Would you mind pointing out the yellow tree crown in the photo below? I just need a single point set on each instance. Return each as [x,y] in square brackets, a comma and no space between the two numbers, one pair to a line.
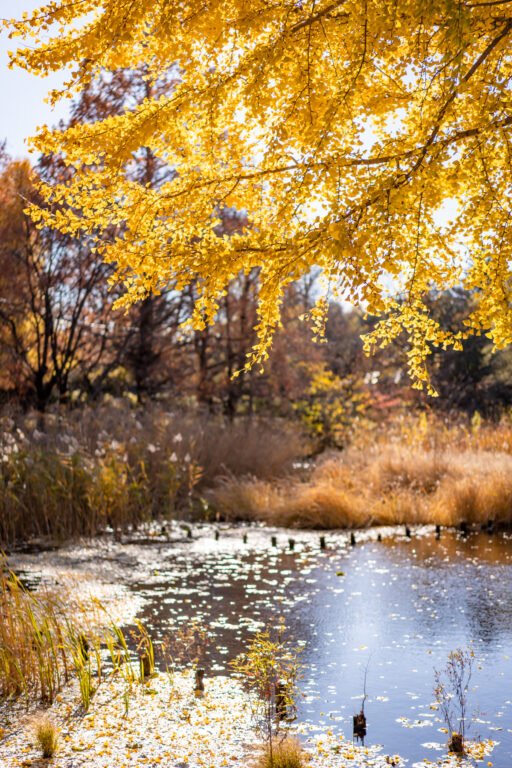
[343,128]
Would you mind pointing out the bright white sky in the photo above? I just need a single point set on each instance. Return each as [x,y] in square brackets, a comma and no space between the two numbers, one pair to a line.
[22,95]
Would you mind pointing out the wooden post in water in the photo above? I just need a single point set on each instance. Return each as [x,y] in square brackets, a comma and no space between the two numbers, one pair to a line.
[291,544]
[359,726]
[273,541]
[217,534]
[438,531]
[352,539]
[199,681]
[464,528]
[322,542]
[407,531]
[245,538]
[145,666]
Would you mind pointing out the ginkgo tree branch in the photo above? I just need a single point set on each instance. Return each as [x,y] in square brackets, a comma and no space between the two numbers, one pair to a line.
[326,121]
[453,95]
[317,16]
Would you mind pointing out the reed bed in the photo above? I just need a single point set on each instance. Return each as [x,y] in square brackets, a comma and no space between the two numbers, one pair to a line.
[46,641]
[84,471]
[37,641]
[114,467]
[414,472]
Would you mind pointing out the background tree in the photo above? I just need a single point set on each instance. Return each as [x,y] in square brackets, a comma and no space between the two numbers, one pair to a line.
[471,379]
[56,321]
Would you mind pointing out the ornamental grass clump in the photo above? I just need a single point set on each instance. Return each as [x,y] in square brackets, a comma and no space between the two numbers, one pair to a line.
[46,735]
[287,753]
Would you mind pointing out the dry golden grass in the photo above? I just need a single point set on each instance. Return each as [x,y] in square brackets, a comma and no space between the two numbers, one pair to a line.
[325,505]
[287,753]
[46,735]
[244,499]
[481,492]
[423,474]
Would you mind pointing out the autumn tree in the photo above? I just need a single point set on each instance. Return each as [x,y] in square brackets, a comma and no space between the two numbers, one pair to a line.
[158,358]
[57,329]
[368,138]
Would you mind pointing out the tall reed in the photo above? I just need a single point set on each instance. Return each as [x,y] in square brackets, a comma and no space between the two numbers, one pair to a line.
[34,642]
[43,645]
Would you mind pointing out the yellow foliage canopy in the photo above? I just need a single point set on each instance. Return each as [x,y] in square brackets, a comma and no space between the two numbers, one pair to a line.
[341,126]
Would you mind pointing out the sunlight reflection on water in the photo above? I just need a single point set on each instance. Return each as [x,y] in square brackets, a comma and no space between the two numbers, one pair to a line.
[400,606]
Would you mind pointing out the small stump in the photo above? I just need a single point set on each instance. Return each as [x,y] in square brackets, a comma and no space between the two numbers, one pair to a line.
[456,744]
[281,708]
[359,727]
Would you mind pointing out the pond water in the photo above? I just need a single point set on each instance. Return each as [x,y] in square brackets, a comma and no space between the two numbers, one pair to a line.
[398,609]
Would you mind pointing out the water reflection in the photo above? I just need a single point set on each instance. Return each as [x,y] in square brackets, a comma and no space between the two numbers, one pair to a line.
[399,607]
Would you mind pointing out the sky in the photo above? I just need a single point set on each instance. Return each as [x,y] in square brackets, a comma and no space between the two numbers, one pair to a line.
[22,94]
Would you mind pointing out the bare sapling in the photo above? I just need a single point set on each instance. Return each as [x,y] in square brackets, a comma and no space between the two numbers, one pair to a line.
[270,670]
[451,691]
[359,720]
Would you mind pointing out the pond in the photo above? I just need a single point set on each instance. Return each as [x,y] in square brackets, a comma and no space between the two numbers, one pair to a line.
[392,609]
